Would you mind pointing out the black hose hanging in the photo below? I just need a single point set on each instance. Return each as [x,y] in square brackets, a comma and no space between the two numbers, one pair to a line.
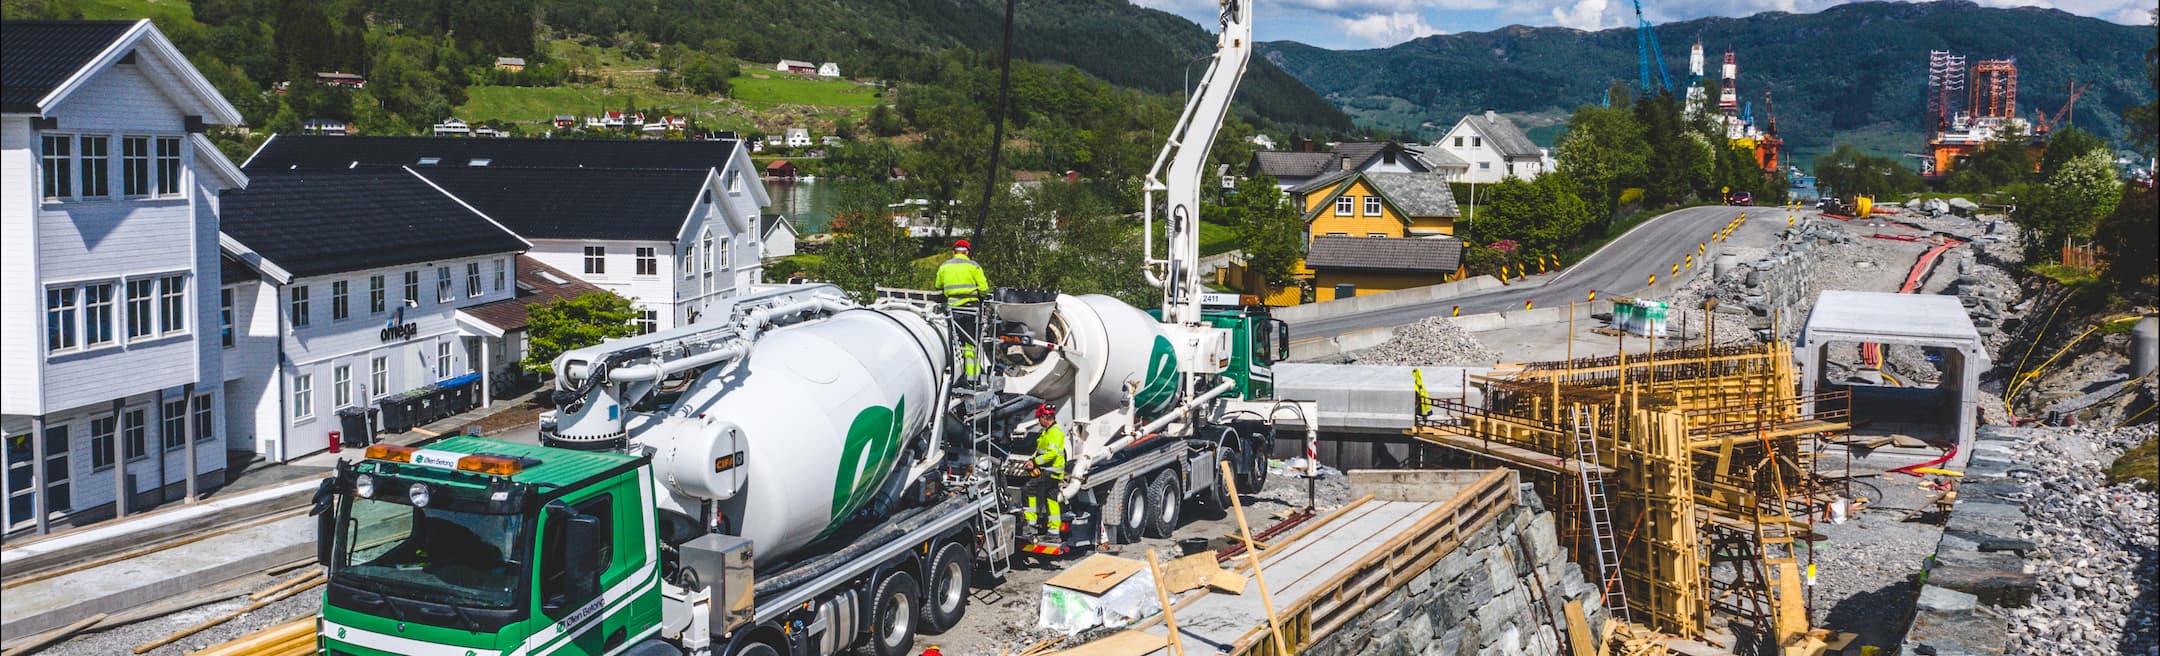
[997,121]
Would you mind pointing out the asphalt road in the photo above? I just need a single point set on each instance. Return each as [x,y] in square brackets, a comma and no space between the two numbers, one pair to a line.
[1622,266]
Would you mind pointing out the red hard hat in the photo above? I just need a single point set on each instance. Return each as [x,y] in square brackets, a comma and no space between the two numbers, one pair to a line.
[1045,410]
[960,245]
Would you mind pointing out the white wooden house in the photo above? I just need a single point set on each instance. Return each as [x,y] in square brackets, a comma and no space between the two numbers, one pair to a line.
[1493,149]
[109,269]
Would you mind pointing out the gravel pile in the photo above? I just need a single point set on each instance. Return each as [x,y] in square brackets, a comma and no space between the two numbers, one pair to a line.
[2097,557]
[1431,341]
[1910,365]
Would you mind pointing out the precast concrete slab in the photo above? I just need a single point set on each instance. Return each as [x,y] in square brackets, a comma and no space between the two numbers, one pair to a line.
[1910,319]
[1370,398]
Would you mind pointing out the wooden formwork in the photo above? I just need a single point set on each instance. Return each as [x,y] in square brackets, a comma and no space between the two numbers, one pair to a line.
[1705,458]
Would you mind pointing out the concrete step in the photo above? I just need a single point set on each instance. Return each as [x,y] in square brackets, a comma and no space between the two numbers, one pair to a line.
[51,603]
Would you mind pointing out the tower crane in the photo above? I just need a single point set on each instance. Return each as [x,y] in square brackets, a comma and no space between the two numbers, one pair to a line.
[1647,56]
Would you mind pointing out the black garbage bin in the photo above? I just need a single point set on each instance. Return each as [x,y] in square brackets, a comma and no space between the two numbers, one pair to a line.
[460,393]
[393,415]
[356,426]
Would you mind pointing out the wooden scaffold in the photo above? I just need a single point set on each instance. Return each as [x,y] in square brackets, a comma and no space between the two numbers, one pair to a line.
[1691,468]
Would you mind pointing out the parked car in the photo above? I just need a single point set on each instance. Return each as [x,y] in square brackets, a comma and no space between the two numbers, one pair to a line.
[1739,198]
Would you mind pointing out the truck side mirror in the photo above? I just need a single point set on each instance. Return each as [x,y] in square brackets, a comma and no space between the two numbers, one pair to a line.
[581,557]
[1282,340]
[325,512]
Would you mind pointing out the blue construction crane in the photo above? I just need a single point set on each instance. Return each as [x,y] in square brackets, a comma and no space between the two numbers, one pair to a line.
[1648,55]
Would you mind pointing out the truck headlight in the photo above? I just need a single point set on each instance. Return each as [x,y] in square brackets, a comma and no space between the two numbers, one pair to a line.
[419,495]
[364,485]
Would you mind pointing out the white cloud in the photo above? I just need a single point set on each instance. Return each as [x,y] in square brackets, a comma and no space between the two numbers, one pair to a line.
[1585,15]
[1388,29]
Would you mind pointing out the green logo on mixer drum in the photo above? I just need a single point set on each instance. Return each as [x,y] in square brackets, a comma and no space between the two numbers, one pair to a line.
[1161,385]
[873,443]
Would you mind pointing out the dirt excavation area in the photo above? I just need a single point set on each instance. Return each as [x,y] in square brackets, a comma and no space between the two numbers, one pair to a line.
[1004,619]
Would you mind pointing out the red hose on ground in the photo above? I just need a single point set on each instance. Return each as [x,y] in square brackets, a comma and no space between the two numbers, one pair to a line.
[1871,353]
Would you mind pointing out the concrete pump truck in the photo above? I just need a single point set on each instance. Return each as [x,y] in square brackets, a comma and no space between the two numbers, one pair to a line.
[799,474]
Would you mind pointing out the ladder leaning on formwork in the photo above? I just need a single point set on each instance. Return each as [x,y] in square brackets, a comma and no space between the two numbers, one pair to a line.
[1601,529]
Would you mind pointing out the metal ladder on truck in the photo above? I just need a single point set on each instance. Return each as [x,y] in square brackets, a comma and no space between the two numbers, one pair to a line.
[1601,530]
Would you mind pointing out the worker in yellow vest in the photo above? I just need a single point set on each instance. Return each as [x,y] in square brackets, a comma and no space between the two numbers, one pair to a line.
[1046,470]
[962,282]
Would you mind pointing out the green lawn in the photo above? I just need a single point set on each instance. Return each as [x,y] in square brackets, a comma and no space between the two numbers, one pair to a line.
[1216,239]
[168,14]
[798,91]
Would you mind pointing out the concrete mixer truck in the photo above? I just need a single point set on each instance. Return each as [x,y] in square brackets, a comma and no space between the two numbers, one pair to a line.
[799,474]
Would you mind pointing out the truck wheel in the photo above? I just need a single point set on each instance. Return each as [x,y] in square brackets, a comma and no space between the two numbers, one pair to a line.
[1137,502]
[948,598]
[1255,472]
[1164,503]
[756,649]
[892,615]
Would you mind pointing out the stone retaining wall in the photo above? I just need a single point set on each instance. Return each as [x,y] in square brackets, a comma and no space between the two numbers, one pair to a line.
[1481,599]
[1980,561]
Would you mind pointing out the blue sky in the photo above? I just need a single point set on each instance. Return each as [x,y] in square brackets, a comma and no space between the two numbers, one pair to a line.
[1354,24]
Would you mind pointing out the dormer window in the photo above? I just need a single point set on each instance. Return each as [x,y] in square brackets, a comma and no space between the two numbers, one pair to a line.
[430,161]
[480,162]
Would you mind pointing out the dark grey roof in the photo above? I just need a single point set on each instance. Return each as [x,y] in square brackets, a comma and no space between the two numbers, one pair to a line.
[37,56]
[312,224]
[1328,179]
[313,152]
[537,284]
[1366,154]
[570,203]
[1505,137]
[1281,165]
[1416,255]
[1420,194]
[768,222]
[232,271]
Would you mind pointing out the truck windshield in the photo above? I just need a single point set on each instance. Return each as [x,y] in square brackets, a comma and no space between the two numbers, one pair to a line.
[431,554]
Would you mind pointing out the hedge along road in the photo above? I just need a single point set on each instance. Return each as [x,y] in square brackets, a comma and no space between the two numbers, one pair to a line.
[1622,266]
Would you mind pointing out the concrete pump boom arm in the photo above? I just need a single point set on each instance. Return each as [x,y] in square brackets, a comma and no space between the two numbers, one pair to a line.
[1186,154]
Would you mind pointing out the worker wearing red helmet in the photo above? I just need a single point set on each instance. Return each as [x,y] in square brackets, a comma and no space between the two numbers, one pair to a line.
[1046,470]
[962,282]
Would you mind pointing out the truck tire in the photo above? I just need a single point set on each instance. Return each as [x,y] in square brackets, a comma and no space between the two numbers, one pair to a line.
[756,649]
[1133,521]
[1253,475]
[947,600]
[892,615]
[1165,501]
[653,647]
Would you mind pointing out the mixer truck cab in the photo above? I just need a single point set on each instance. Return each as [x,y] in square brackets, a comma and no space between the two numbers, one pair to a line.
[476,546]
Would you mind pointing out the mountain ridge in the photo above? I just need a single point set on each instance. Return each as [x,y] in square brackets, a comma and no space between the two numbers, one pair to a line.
[1852,72]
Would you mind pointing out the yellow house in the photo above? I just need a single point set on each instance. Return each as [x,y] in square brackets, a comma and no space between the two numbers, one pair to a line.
[1371,231]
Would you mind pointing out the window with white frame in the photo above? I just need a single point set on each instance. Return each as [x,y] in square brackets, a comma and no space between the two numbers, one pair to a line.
[135,433]
[172,304]
[1477,142]
[726,253]
[96,166]
[101,441]
[225,317]
[501,271]
[141,307]
[135,178]
[378,376]
[596,259]
[1344,206]
[689,259]
[1372,206]
[1458,142]
[472,279]
[412,287]
[298,302]
[172,424]
[648,261]
[442,284]
[168,166]
[708,250]
[376,296]
[303,396]
[205,420]
[442,359]
[61,307]
[341,385]
[56,155]
[648,322]
[98,310]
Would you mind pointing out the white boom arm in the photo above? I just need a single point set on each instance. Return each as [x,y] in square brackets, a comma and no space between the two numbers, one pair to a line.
[1186,154]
